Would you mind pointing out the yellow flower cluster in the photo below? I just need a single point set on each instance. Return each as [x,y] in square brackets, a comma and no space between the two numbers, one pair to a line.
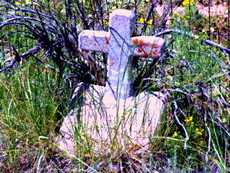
[199,131]
[142,20]
[188,2]
[188,119]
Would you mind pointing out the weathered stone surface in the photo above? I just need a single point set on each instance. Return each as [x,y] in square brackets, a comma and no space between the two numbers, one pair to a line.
[110,115]
[94,40]
[148,46]
[107,121]
[119,45]
[121,24]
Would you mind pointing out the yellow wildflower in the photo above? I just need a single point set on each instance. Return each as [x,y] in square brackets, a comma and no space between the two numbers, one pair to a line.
[199,131]
[188,119]
[150,22]
[141,20]
[188,2]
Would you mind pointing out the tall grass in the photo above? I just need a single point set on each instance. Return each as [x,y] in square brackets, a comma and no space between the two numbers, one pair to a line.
[34,97]
[196,134]
[29,105]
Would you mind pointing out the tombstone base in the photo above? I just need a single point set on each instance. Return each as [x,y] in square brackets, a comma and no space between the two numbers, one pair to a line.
[107,121]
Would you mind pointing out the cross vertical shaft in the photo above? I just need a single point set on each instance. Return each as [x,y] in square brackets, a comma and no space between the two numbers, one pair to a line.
[121,25]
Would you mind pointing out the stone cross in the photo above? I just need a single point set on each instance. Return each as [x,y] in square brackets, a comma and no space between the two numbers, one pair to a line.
[106,119]
[120,47]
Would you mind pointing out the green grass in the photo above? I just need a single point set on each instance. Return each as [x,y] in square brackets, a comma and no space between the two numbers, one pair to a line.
[192,138]
[206,144]
[29,104]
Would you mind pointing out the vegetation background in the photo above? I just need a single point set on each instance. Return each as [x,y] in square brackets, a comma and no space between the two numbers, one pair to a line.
[41,66]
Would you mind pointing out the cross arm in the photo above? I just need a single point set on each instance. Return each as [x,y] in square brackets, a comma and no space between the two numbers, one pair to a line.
[99,41]
[94,40]
[147,46]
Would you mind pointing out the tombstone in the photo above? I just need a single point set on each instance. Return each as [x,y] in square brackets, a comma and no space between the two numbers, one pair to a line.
[111,114]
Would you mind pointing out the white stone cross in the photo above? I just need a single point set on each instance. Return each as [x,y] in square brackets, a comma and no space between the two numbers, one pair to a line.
[121,119]
[120,47]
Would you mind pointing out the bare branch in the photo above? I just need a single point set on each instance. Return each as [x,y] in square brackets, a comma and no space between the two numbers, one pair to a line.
[14,62]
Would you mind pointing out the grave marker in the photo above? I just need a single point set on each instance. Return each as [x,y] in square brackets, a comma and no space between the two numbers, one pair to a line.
[120,46]
[109,115]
